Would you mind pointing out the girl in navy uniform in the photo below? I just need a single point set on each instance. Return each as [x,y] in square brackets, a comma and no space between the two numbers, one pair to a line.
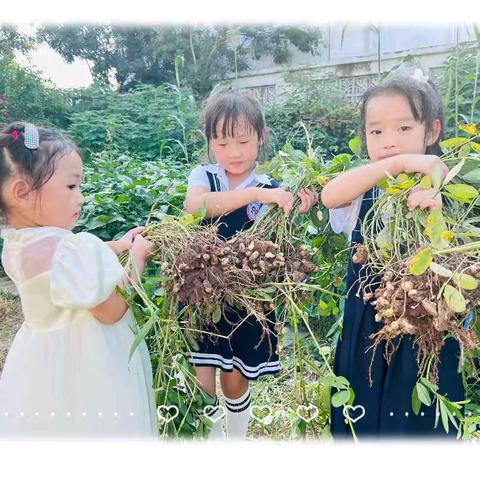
[234,195]
[401,125]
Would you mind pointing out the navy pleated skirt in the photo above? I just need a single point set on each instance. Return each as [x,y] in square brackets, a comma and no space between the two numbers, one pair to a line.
[244,349]
[387,402]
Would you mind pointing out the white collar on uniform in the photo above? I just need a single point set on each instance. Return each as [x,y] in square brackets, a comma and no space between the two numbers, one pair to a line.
[252,179]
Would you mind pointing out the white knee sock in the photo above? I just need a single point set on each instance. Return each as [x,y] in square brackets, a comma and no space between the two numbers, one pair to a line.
[216,432]
[238,415]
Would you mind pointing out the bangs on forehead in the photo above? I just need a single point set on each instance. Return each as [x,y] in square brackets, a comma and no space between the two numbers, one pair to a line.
[415,103]
[423,98]
[231,121]
[233,110]
[412,95]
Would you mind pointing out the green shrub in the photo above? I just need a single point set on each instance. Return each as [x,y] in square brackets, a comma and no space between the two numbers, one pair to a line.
[330,117]
[148,122]
[120,191]
[25,95]
[459,83]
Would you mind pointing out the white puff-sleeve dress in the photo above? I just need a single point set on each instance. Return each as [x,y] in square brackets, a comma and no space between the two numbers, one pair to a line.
[67,373]
[344,219]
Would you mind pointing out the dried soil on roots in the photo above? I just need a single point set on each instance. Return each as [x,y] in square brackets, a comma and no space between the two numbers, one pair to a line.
[207,275]
[413,305]
[209,270]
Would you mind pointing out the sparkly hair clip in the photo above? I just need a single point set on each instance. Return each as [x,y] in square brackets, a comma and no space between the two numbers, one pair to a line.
[31,136]
[14,135]
[418,75]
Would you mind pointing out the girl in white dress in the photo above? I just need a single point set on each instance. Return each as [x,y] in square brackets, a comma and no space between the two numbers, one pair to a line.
[68,370]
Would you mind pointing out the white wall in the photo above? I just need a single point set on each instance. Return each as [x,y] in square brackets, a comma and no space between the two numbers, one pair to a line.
[355,59]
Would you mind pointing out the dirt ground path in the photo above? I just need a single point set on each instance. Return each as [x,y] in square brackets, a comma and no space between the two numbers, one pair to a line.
[10,316]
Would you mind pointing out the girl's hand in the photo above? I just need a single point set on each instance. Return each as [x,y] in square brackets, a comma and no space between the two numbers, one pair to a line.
[309,198]
[279,196]
[142,249]
[126,242]
[424,198]
[426,164]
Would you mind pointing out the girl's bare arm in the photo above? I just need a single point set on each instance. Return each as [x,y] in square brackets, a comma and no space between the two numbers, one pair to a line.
[219,203]
[114,307]
[350,185]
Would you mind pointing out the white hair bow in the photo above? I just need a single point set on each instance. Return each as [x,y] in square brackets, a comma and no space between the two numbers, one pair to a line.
[418,75]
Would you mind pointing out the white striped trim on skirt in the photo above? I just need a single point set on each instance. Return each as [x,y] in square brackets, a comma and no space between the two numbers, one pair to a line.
[227,364]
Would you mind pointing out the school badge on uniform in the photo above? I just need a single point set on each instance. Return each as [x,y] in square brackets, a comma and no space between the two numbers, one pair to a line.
[255,210]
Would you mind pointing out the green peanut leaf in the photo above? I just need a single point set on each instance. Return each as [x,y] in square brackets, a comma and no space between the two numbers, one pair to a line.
[461,192]
[384,239]
[437,176]
[340,398]
[453,172]
[421,261]
[444,414]
[467,282]
[423,394]
[454,298]
[425,182]
[403,181]
[453,143]
[440,270]
[355,145]
[435,227]
[217,314]
[473,176]
[416,404]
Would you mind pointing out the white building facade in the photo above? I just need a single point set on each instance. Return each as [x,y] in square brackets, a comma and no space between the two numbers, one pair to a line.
[353,54]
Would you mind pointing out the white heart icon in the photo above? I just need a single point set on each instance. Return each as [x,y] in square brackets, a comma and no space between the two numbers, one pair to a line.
[163,412]
[210,409]
[352,408]
[307,413]
[265,419]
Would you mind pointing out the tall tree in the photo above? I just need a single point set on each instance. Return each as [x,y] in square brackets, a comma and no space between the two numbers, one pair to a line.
[12,40]
[24,94]
[147,54]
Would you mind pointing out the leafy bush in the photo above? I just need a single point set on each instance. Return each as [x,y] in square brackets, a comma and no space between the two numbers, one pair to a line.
[120,191]
[25,95]
[459,83]
[328,115]
[148,122]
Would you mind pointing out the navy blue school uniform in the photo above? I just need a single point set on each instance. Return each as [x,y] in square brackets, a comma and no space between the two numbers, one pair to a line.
[387,402]
[244,350]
